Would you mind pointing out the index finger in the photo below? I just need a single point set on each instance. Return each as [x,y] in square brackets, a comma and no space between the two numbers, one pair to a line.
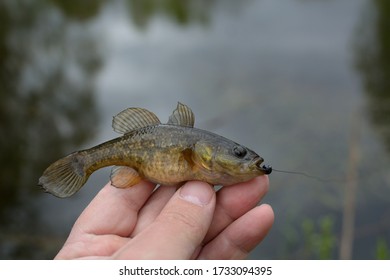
[234,201]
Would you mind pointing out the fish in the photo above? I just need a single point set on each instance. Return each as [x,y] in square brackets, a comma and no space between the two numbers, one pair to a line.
[165,154]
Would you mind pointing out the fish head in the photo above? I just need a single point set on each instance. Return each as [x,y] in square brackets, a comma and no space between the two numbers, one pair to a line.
[230,162]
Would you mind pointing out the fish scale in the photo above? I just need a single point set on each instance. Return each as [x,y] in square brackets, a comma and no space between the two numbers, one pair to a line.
[167,154]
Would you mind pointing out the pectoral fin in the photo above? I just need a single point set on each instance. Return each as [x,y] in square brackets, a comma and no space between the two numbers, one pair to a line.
[133,118]
[182,115]
[124,177]
[203,158]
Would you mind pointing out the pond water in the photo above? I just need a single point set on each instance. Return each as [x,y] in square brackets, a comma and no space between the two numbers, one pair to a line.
[305,83]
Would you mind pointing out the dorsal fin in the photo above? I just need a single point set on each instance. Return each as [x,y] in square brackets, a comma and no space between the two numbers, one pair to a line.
[133,118]
[182,115]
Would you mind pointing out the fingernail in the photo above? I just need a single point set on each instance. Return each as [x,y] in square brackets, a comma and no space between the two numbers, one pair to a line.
[197,193]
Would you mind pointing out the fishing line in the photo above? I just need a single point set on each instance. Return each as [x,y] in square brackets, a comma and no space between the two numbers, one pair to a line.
[307,175]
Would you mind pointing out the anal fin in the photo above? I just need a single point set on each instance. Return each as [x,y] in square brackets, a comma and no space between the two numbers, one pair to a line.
[124,177]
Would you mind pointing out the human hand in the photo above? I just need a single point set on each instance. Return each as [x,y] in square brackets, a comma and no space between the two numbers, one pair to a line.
[194,222]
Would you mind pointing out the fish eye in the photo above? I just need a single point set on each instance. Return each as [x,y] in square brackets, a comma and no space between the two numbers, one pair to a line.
[239,151]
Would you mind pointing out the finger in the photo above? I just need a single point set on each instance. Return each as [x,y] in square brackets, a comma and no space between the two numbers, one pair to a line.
[238,239]
[113,210]
[180,228]
[234,201]
[91,246]
[153,207]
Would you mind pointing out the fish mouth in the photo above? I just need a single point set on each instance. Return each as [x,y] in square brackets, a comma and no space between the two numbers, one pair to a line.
[266,169]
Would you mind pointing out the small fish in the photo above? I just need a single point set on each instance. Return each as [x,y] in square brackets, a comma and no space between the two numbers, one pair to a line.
[167,154]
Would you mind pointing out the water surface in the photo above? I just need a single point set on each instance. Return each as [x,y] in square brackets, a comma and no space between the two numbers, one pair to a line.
[300,82]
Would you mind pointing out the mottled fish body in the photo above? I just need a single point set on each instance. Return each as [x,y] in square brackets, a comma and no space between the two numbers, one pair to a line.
[167,154]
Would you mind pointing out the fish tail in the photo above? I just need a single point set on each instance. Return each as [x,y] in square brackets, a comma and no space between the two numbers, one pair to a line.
[65,176]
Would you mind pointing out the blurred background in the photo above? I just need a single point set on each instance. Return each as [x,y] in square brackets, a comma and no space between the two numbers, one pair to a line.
[305,83]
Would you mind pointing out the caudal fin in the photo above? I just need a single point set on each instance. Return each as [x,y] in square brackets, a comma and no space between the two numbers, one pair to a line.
[65,176]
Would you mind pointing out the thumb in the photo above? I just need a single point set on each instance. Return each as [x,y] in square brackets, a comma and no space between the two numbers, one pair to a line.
[180,227]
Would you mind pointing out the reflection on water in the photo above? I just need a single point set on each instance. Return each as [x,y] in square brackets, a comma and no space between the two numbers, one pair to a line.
[47,107]
[79,11]
[283,72]
[183,12]
[373,62]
